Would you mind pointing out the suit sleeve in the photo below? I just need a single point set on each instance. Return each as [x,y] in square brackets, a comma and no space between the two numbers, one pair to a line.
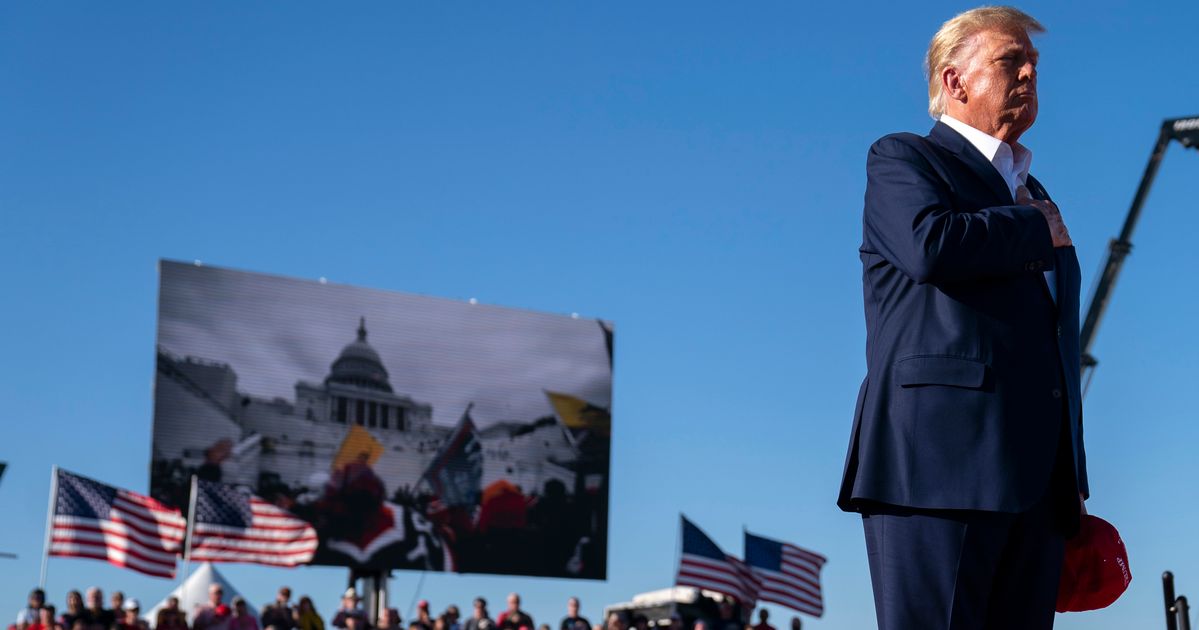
[909,219]
[1084,483]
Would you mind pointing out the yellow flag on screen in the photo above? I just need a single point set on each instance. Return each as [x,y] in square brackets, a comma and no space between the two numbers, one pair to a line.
[358,443]
[577,413]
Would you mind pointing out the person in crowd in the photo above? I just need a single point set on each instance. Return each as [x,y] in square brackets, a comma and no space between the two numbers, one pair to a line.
[617,620]
[350,608]
[422,615]
[796,623]
[279,613]
[75,610]
[451,618]
[215,614]
[640,622]
[170,616]
[80,623]
[306,616]
[700,624]
[45,619]
[240,617]
[572,618]
[514,618]
[131,614]
[390,620]
[97,614]
[763,624]
[29,614]
[727,619]
[480,619]
[439,623]
[116,603]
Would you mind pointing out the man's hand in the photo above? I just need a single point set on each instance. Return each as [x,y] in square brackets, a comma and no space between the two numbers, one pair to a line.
[1057,227]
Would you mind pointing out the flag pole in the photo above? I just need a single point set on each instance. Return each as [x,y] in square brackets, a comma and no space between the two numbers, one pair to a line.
[187,541]
[678,565]
[49,526]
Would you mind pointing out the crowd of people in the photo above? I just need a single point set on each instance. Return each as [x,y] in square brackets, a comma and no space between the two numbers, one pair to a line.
[90,613]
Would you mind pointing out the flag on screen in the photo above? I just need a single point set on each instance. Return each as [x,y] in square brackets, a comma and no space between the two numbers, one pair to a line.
[232,525]
[456,473]
[790,575]
[93,520]
[704,565]
[578,414]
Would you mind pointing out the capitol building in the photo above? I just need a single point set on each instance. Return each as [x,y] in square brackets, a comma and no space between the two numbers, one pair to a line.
[279,446]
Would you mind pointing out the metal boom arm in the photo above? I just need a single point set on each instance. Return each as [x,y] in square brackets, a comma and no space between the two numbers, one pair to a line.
[1185,131]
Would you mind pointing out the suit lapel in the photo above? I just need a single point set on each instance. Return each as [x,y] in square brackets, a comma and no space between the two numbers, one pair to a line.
[1062,256]
[945,136]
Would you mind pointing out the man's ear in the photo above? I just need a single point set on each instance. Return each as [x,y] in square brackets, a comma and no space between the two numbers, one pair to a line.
[952,84]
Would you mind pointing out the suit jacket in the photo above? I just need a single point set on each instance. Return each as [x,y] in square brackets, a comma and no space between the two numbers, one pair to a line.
[971,366]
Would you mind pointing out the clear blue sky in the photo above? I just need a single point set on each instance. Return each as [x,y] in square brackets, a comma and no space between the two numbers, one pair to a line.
[691,170]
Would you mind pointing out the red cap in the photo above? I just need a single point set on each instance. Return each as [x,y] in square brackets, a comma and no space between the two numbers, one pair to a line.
[1095,570]
[424,603]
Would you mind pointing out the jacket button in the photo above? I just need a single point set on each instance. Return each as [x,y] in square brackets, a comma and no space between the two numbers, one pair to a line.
[1059,330]
[1057,393]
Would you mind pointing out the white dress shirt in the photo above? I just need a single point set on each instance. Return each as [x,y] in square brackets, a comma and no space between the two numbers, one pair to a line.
[1010,160]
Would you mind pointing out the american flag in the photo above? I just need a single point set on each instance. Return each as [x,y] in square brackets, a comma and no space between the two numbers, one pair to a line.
[231,525]
[790,575]
[704,565]
[93,520]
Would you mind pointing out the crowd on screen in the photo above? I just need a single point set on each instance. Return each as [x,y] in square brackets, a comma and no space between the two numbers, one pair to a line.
[90,613]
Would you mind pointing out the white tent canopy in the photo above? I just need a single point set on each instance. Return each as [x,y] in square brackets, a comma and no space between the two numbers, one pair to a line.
[194,592]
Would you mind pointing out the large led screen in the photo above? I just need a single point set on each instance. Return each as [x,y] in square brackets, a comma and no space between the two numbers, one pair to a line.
[412,432]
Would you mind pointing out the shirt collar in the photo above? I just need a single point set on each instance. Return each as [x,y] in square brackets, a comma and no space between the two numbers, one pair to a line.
[1013,158]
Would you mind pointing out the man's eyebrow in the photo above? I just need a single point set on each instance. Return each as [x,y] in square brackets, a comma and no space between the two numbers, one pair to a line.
[1016,49]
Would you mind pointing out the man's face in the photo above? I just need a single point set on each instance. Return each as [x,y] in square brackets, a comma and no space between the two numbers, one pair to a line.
[999,76]
[95,598]
[284,595]
[36,599]
[513,603]
[215,593]
[480,610]
[572,607]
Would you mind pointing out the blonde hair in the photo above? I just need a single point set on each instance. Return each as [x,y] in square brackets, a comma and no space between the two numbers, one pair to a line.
[952,37]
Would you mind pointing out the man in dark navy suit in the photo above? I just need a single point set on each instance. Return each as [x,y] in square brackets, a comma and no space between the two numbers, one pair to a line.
[966,459]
